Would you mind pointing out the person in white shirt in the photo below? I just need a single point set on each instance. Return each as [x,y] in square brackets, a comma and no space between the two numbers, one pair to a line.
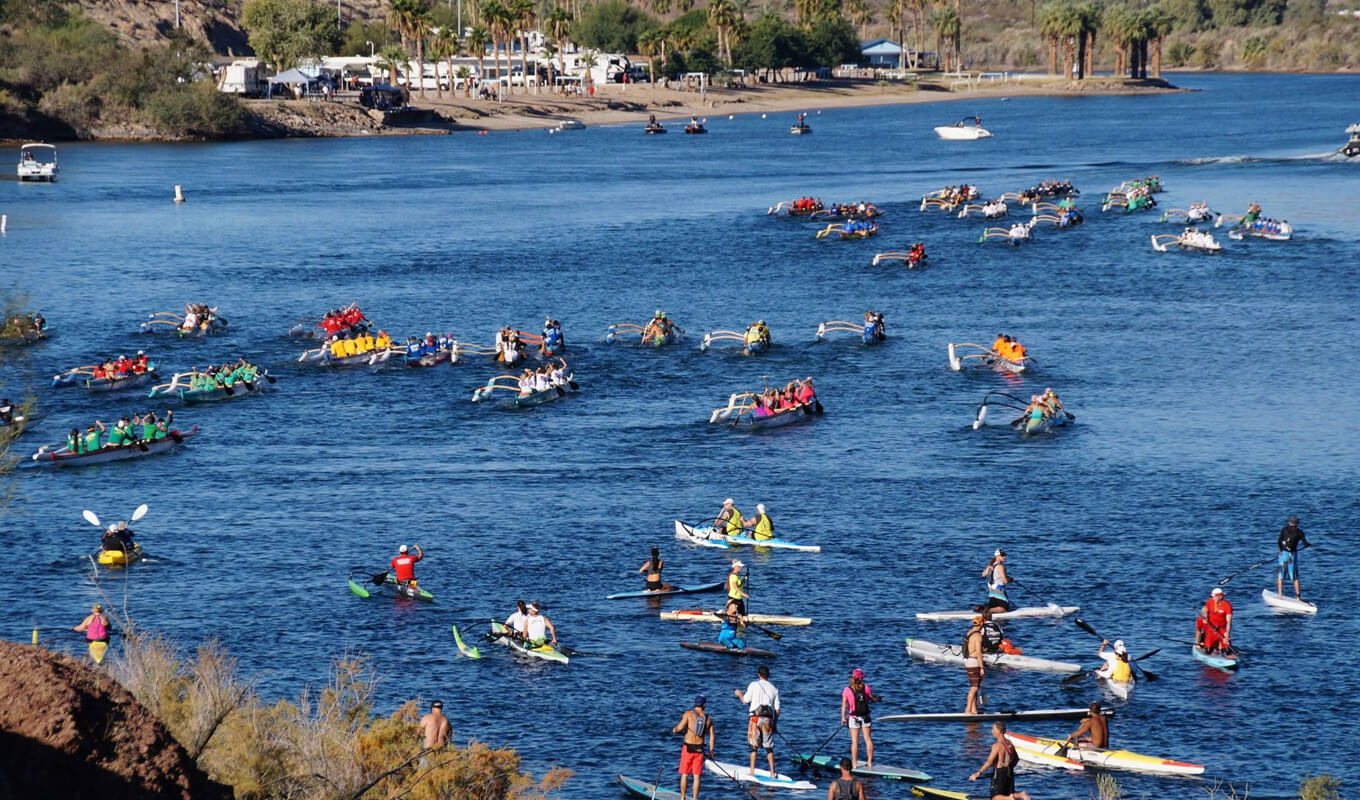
[515,621]
[762,700]
[537,627]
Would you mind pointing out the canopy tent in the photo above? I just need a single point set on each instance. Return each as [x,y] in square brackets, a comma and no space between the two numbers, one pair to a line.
[293,77]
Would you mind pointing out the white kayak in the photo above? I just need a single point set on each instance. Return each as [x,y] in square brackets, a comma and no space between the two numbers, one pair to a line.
[699,615]
[1287,605]
[1120,689]
[953,654]
[761,776]
[1105,759]
[1050,610]
[685,533]
[709,536]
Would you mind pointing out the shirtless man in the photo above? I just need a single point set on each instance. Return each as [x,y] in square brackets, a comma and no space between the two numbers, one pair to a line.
[972,664]
[435,727]
[1002,760]
[694,723]
[652,569]
[1094,730]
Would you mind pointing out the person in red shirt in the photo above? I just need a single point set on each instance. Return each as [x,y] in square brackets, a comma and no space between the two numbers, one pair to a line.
[1214,624]
[405,564]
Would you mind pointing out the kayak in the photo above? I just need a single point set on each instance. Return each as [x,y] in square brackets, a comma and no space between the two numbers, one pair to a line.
[1288,605]
[1105,759]
[699,615]
[1216,660]
[388,585]
[695,589]
[714,647]
[543,650]
[97,651]
[59,456]
[638,788]
[953,654]
[470,652]
[1120,689]
[1050,610]
[996,716]
[831,764]
[685,533]
[707,533]
[1046,759]
[761,777]
[118,558]
[940,794]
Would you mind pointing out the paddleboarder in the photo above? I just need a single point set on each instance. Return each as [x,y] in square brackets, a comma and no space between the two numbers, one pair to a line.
[695,723]
[972,664]
[995,573]
[1213,627]
[855,700]
[652,570]
[1094,730]
[1001,760]
[846,787]
[762,701]
[1291,536]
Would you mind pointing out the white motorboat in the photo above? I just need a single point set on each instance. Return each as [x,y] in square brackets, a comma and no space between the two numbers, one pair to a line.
[966,129]
[1352,148]
[37,162]
[571,124]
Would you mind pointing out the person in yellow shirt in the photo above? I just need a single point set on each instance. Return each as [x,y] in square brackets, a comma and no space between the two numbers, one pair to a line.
[337,348]
[347,347]
[760,524]
[384,341]
[729,520]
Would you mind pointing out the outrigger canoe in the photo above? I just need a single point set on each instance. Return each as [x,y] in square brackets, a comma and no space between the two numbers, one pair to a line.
[741,412]
[544,650]
[714,647]
[174,390]
[385,583]
[84,376]
[1025,424]
[514,398]
[1215,660]
[670,590]
[1287,604]
[675,335]
[649,791]
[700,615]
[869,334]
[59,456]
[761,777]
[751,348]
[21,422]
[1106,759]
[120,558]
[953,654]
[162,321]
[706,534]
[831,764]
[1050,610]
[986,357]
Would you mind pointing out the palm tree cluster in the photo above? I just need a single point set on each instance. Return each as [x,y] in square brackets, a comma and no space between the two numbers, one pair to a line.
[1072,26]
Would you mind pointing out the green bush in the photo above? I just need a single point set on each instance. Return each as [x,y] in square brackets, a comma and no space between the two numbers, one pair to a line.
[612,26]
[1253,51]
[1320,787]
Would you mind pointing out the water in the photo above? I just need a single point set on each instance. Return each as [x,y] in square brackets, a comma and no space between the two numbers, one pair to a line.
[1214,397]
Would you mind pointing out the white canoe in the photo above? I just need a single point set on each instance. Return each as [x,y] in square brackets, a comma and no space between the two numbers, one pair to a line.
[760,776]
[1050,610]
[1120,689]
[685,533]
[696,615]
[953,654]
[1287,605]
[1107,759]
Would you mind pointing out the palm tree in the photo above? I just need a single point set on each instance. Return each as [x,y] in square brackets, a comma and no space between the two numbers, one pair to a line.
[465,75]
[389,57]
[1157,23]
[660,7]
[443,48]
[1090,23]
[550,50]
[859,13]
[947,32]
[559,28]
[897,11]
[477,40]
[648,44]
[497,19]
[525,14]
[412,19]
[722,16]
[1051,25]
[1116,21]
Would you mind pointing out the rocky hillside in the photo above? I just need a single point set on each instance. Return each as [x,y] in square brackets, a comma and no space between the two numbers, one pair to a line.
[69,731]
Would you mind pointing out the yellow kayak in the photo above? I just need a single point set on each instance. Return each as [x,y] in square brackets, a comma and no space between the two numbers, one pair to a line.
[1107,759]
[97,651]
[118,558]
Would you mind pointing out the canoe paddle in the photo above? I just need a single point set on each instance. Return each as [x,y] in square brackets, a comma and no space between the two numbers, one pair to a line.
[1041,598]
[1224,581]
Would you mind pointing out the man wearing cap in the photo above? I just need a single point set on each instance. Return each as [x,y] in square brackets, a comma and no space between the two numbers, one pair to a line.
[405,564]
[435,726]
[1116,667]
[537,628]
[694,723]
[1213,627]
[1291,536]
[995,573]
[762,527]
[762,702]
[729,521]
[736,586]
[972,664]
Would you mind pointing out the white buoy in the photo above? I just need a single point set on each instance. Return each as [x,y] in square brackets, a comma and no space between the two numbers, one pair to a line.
[762,116]
[731,116]
[179,195]
[4,223]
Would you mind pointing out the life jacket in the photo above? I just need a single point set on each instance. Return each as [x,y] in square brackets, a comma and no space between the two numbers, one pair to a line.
[764,527]
[734,520]
[1121,671]
[97,631]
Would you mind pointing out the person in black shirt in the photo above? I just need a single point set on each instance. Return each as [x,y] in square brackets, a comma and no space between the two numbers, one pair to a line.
[1291,536]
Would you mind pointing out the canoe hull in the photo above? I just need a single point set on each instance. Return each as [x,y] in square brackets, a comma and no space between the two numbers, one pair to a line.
[58,457]
[1049,610]
[953,654]
[714,647]
[119,558]
[545,652]
[1106,759]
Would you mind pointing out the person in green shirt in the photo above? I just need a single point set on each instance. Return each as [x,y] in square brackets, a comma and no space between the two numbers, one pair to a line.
[120,435]
[93,436]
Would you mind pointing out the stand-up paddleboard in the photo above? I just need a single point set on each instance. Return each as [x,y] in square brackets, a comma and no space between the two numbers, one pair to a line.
[953,654]
[695,589]
[714,647]
[940,794]
[1050,610]
[97,651]
[760,776]
[650,791]
[996,716]
[470,652]
[1216,660]
[831,764]
[1288,605]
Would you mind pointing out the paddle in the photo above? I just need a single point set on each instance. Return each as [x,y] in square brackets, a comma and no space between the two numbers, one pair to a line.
[1071,679]
[1041,598]
[1224,581]
[824,743]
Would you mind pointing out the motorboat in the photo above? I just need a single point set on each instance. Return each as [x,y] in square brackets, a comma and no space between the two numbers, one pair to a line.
[1352,148]
[571,124]
[800,128]
[653,127]
[37,162]
[966,129]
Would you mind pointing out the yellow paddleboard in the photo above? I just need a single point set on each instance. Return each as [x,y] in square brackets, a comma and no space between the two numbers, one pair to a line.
[97,651]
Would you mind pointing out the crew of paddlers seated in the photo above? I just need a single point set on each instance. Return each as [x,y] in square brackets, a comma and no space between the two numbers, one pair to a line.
[757,332]
[853,226]
[659,327]
[27,326]
[874,327]
[806,204]
[197,316]
[917,252]
[775,401]
[958,194]
[509,348]
[548,376]
[432,343]
[343,320]
[1043,406]
[347,345]
[226,375]
[1009,348]
[863,208]
[126,431]
[1194,237]
[1046,189]
[121,367]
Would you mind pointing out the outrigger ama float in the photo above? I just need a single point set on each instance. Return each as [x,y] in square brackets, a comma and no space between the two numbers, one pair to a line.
[1043,412]
[872,331]
[1017,234]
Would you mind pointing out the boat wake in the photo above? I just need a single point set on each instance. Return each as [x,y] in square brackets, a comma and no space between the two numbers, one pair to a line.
[1195,162]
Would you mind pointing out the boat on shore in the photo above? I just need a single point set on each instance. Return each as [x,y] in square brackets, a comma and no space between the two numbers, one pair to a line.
[967,129]
[924,650]
[52,456]
[978,355]
[37,163]
[1101,758]
[1026,612]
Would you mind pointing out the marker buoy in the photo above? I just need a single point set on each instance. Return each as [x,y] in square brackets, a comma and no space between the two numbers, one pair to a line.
[179,194]
[4,223]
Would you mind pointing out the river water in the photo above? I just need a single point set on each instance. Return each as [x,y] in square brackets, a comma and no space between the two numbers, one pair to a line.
[1214,397]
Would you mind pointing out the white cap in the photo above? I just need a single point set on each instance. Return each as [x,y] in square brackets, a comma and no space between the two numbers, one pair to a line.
[729,501]
[737,564]
[1217,591]
[112,528]
[760,507]
[401,549]
[1119,647]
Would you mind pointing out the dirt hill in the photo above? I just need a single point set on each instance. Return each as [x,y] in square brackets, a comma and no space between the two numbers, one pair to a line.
[69,731]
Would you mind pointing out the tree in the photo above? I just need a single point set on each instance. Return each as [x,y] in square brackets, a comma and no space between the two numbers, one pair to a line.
[1156,24]
[831,42]
[525,14]
[1051,24]
[559,28]
[947,26]
[648,45]
[1117,22]
[285,32]
[443,48]
[477,40]
[613,26]
[465,75]
[389,58]
[412,19]
[498,20]
[722,15]
[1089,18]
[859,13]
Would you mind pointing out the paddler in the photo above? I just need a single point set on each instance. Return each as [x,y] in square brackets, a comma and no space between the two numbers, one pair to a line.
[855,700]
[537,628]
[972,664]
[762,527]
[729,520]
[1116,667]
[733,622]
[1094,730]
[436,728]
[515,622]
[846,787]
[1001,760]
[95,626]
[404,564]
[1291,536]
[651,568]
[736,586]
[1213,627]
[995,573]
[695,723]
[762,701]
[111,541]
